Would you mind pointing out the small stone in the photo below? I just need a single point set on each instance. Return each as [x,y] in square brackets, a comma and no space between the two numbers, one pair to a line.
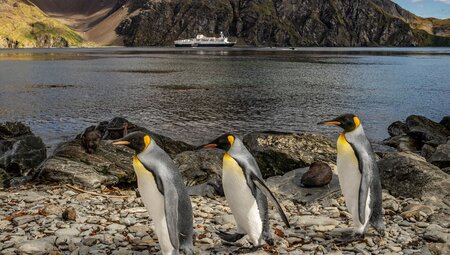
[90,241]
[225,219]
[395,248]
[9,251]
[115,227]
[435,233]
[53,210]
[67,232]
[128,221]
[39,246]
[309,247]
[32,196]
[69,214]
[321,228]
[23,219]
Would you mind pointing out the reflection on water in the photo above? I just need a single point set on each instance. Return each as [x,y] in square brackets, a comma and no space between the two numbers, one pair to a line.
[194,95]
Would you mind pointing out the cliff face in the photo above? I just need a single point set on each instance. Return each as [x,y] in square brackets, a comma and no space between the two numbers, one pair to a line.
[278,23]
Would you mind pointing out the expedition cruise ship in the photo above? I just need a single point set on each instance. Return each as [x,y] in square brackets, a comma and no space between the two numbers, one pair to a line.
[203,41]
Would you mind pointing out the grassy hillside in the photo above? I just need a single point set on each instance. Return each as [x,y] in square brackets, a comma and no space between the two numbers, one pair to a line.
[24,25]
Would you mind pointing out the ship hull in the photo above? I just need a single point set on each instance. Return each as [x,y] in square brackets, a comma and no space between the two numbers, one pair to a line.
[200,45]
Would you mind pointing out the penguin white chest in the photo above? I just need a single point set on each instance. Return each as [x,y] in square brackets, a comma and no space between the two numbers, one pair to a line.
[348,173]
[241,200]
[154,203]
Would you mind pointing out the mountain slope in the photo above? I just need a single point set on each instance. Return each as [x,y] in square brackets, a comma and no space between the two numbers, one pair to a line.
[281,23]
[95,21]
[24,25]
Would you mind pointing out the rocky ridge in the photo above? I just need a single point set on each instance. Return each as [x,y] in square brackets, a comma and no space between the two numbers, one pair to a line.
[280,23]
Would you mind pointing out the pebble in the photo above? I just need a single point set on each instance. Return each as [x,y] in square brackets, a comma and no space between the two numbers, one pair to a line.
[38,246]
[23,219]
[69,214]
[122,226]
[67,232]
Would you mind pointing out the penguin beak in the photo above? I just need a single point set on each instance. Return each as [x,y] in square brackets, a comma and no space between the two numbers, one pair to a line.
[121,143]
[330,122]
[210,145]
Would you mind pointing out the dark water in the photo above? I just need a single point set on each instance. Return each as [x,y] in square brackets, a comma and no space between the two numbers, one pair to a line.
[194,95]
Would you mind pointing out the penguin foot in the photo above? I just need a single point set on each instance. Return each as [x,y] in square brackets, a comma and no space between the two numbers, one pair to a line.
[189,250]
[350,238]
[229,237]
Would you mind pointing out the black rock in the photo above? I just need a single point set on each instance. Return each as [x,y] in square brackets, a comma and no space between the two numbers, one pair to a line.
[13,130]
[445,122]
[441,156]
[410,175]
[118,127]
[20,150]
[402,143]
[319,174]
[424,130]
[278,153]
[107,164]
[397,128]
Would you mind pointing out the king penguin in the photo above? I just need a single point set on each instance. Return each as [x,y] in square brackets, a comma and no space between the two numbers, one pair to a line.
[245,192]
[163,193]
[359,177]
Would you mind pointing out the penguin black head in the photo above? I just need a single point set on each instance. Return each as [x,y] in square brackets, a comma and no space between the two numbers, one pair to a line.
[138,141]
[223,142]
[347,121]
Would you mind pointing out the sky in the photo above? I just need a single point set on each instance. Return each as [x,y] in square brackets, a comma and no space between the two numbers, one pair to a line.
[427,8]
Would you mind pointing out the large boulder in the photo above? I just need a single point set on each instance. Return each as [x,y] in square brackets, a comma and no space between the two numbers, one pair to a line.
[397,128]
[424,130]
[104,164]
[278,153]
[4,178]
[441,156]
[402,143]
[20,150]
[202,171]
[445,122]
[410,175]
[109,165]
[289,187]
[200,165]
[114,129]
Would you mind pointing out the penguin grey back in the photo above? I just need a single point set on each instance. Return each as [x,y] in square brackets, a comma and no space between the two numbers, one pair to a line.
[167,175]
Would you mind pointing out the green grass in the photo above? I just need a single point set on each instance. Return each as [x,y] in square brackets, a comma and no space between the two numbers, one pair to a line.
[24,23]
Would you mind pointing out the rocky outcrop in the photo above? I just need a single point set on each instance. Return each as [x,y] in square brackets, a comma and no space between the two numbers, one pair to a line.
[278,153]
[423,136]
[426,131]
[410,175]
[107,164]
[276,23]
[445,122]
[441,156]
[20,151]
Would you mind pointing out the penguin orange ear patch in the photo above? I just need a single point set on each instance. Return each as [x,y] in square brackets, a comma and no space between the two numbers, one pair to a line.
[231,139]
[357,121]
[147,140]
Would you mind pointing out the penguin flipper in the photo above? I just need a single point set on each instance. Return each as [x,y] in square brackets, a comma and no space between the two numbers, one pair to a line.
[229,237]
[266,191]
[365,168]
[171,210]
